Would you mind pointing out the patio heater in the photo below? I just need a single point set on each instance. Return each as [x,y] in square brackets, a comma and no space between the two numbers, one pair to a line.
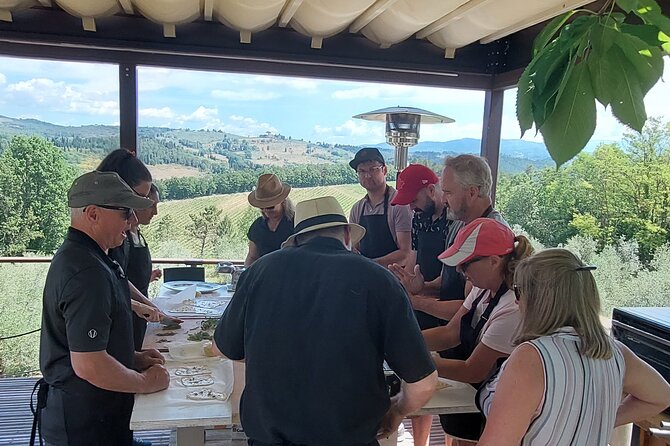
[402,127]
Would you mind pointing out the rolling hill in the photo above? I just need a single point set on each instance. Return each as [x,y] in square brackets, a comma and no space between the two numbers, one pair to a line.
[185,152]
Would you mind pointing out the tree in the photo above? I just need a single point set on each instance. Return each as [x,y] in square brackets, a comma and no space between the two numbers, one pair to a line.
[208,227]
[598,56]
[34,179]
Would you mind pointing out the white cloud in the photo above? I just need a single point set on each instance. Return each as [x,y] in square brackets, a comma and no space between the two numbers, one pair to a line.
[3,78]
[301,84]
[245,126]
[64,97]
[208,118]
[202,113]
[164,112]
[245,95]
[407,94]
[322,130]
[352,132]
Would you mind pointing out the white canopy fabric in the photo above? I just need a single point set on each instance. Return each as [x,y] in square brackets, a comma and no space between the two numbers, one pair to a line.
[448,24]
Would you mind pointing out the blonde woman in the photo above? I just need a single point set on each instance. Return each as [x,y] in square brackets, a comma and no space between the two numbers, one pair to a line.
[481,333]
[563,384]
[275,225]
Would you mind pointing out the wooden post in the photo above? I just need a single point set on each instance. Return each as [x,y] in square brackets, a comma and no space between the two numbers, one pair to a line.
[490,149]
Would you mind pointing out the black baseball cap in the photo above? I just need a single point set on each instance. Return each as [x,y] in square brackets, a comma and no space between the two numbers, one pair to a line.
[366,154]
[105,189]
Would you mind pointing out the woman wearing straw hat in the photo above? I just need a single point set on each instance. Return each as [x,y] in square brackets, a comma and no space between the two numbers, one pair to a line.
[268,232]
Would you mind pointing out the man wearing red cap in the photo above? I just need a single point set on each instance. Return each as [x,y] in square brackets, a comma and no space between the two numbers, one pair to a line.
[418,187]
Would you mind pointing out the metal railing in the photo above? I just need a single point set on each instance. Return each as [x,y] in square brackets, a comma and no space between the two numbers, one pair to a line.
[158,261]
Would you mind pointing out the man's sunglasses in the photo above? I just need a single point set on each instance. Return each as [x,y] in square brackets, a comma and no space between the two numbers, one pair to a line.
[127,212]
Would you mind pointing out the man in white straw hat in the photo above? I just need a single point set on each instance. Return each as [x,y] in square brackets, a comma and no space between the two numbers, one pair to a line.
[314,323]
[275,224]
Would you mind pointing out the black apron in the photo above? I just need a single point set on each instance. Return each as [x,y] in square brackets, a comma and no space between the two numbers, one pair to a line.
[429,246]
[469,426]
[378,240]
[138,270]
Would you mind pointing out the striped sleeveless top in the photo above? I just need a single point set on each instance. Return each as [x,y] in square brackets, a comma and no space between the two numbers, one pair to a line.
[581,394]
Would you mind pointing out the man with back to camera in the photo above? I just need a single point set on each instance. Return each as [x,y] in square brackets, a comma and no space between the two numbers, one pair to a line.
[466,184]
[387,236]
[314,323]
[87,356]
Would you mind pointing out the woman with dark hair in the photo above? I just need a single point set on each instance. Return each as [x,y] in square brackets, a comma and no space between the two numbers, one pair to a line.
[564,382]
[480,335]
[133,255]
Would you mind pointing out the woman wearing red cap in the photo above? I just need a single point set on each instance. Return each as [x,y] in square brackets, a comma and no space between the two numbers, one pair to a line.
[482,331]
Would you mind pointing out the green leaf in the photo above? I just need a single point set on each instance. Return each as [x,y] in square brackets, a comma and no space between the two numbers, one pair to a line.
[601,69]
[627,96]
[618,17]
[549,31]
[649,34]
[647,60]
[665,39]
[568,129]
[627,5]
[651,14]
[602,38]
[524,101]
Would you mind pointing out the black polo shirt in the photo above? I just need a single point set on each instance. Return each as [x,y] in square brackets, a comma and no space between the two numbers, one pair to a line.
[266,240]
[314,324]
[86,308]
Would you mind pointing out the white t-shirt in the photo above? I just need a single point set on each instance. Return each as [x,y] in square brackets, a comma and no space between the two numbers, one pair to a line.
[499,331]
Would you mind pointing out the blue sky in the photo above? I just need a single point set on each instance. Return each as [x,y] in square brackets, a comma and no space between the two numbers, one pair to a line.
[245,104]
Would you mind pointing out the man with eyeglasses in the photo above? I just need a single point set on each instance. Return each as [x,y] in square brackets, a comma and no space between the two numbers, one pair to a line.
[388,228]
[466,184]
[87,356]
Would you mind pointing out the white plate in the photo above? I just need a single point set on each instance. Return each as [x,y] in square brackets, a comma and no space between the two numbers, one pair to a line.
[203,287]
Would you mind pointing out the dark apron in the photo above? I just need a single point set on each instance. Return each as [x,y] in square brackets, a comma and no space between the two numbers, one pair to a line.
[378,240]
[429,246]
[138,270]
[88,418]
[469,426]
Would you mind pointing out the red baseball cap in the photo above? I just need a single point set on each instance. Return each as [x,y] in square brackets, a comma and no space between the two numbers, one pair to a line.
[411,180]
[482,237]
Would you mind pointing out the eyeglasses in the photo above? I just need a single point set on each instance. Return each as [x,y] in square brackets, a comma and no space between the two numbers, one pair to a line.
[127,212]
[465,265]
[517,291]
[271,208]
[368,172]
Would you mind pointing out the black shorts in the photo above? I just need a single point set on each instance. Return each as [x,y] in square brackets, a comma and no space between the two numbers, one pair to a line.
[466,426]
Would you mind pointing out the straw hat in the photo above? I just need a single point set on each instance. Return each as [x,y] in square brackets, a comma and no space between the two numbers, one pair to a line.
[269,191]
[321,213]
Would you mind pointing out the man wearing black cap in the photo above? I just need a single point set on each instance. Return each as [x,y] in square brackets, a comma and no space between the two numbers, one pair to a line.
[87,357]
[388,228]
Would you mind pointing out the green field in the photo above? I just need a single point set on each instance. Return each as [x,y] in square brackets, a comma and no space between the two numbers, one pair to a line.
[179,243]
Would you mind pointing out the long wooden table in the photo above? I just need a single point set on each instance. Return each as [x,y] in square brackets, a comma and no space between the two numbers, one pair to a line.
[191,426]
